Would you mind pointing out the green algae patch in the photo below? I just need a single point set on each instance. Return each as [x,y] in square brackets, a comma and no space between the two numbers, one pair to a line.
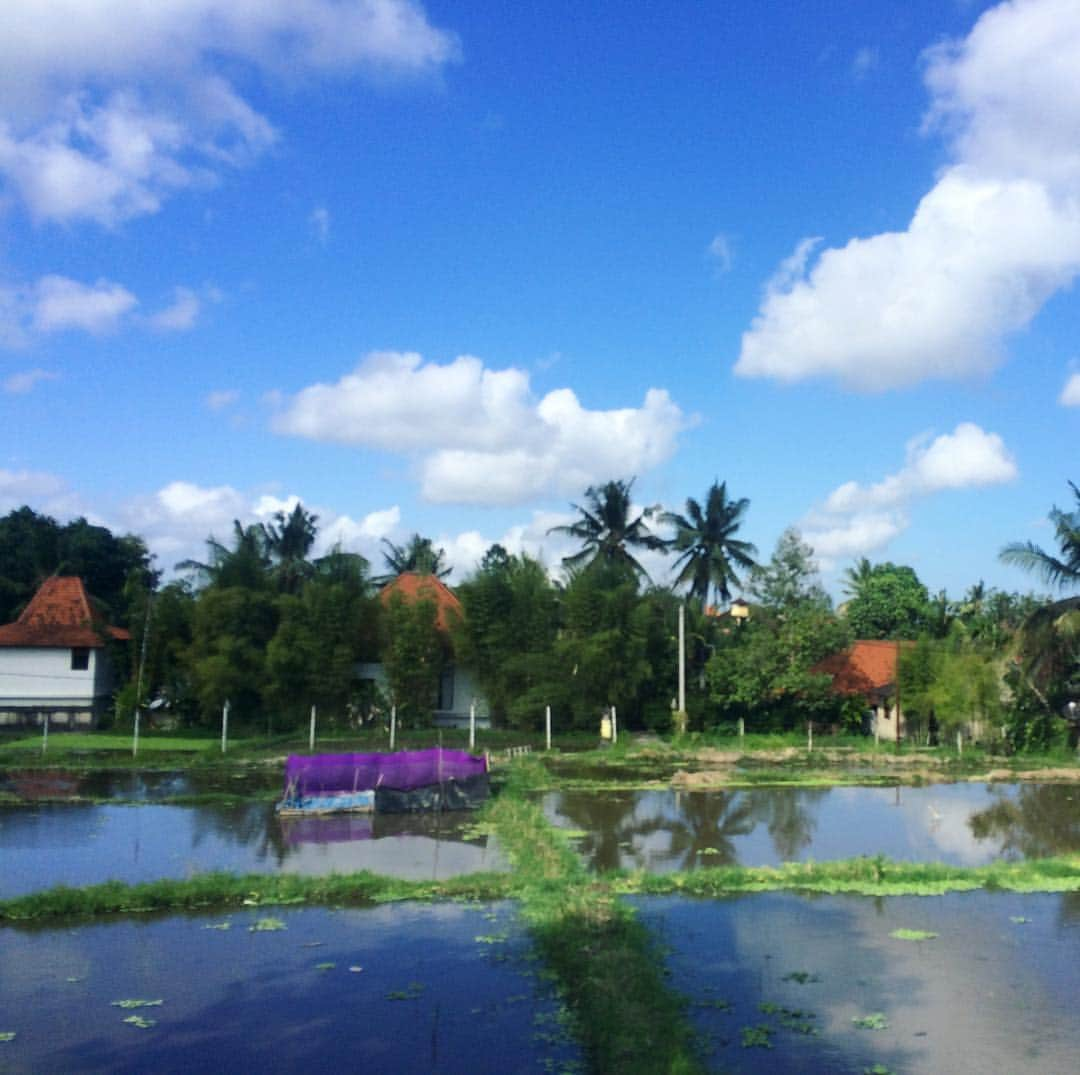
[913,934]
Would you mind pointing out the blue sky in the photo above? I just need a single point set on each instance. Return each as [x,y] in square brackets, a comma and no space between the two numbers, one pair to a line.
[440,267]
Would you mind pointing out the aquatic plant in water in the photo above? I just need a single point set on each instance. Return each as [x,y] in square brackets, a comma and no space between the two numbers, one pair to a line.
[138,1003]
[913,934]
[140,1022]
[756,1037]
[7,1035]
[873,1021]
[267,925]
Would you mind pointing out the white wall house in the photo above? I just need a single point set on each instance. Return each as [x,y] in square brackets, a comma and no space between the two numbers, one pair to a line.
[53,661]
[457,690]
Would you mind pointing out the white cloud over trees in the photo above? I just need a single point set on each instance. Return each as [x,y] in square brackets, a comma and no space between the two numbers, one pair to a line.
[857,519]
[479,435]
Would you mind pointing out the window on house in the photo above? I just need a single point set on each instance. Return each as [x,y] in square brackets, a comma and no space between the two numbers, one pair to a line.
[80,659]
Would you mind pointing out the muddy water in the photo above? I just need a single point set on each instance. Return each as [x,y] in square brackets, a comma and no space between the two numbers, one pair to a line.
[965,824]
[994,991]
[83,843]
[440,990]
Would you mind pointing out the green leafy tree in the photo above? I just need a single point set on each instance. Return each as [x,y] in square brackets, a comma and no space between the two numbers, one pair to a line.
[608,529]
[413,653]
[892,603]
[233,626]
[507,634]
[34,546]
[708,551]
[603,648]
[762,670]
[790,578]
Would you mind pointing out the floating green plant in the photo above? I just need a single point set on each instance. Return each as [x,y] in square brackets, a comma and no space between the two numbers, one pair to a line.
[756,1037]
[414,991]
[913,934]
[7,1035]
[141,1022]
[138,1003]
[325,966]
[1019,920]
[267,925]
[803,977]
[873,1021]
[219,925]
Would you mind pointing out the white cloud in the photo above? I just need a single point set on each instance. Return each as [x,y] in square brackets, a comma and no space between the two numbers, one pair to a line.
[60,304]
[20,486]
[997,235]
[222,398]
[858,519]
[19,384]
[108,108]
[1070,394]
[320,222]
[181,314]
[865,61]
[480,435]
[720,251]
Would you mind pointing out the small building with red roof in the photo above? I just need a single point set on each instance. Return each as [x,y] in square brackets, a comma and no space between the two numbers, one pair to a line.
[457,691]
[867,668]
[53,659]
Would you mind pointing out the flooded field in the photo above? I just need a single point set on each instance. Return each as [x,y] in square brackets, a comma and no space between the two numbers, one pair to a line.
[402,989]
[779,983]
[85,843]
[774,983]
[962,824]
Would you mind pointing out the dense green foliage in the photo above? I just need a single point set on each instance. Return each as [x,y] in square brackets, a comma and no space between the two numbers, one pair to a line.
[34,546]
[265,625]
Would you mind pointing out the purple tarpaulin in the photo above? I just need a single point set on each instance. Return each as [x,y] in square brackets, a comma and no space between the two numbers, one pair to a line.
[327,774]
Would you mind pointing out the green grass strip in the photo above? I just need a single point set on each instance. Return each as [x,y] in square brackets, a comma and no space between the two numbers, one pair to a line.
[861,876]
[604,962]
[221,891]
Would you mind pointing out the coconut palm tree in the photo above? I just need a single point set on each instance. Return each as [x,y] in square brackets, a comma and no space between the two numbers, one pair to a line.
[708,550]
[417,554]
[1060,572]
[289,539]
[607,531]
[1050,636]
[247,564]
[857,576]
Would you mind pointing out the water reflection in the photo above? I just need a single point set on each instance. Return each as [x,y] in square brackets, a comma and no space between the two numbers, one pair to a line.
[83,843]
[993,991]
[1035,821]
[964,824]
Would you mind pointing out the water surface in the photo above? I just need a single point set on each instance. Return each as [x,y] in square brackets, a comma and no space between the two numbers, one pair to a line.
[961,824]
[86,843]
[440,989]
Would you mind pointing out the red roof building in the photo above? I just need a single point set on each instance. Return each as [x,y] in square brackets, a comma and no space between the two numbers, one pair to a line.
[412,587]
[60,615]
[867,667]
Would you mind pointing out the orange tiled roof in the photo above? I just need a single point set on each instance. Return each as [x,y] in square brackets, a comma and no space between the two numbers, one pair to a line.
[415,587]
[59,614]
[867,667]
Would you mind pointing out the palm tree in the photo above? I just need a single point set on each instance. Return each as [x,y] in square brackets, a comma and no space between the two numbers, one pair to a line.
[708,548]
[247,564]
[1061,571]
[418,554]
[607,531]
[1050,635]
[289,539]
[856,577]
